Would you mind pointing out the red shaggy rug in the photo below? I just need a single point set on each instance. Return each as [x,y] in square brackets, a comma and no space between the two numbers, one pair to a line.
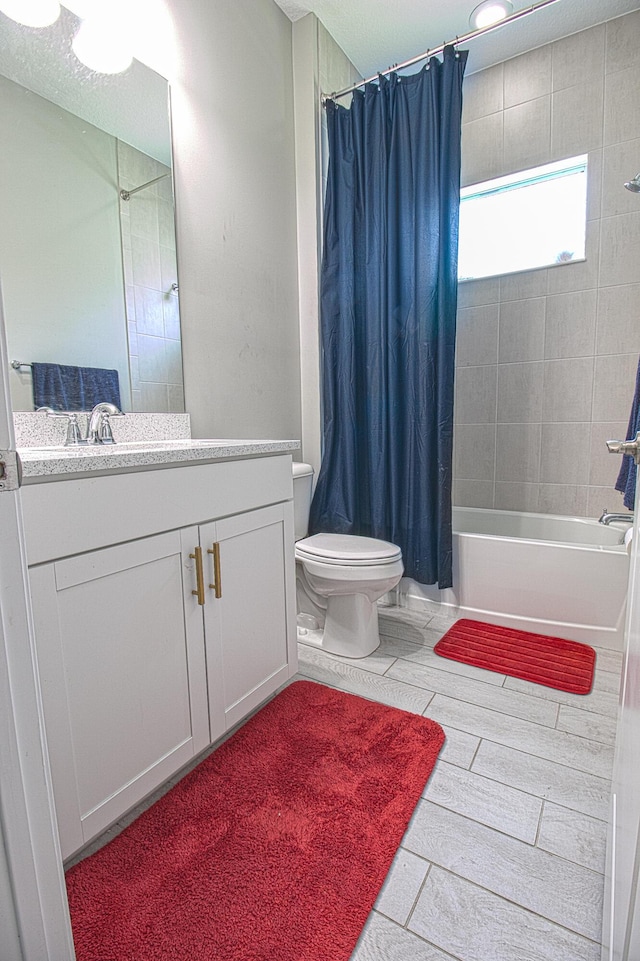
[273,849]
[551,661]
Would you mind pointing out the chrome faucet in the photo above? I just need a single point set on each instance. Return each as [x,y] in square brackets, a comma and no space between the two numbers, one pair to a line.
[99,428]
[607,518]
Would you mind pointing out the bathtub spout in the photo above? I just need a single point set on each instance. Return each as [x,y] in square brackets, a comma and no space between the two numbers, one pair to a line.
[607,518]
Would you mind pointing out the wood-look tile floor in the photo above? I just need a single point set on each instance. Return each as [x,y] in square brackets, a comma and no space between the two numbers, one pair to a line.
[504,857]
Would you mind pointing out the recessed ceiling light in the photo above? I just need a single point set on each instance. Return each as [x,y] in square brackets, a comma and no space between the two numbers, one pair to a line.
[31,13]
[489,12]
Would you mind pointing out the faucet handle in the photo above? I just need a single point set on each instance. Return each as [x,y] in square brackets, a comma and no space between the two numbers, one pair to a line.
[74,437]
[629,447]
[105,433]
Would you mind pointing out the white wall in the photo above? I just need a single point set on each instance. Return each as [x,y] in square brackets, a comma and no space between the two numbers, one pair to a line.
[232,115]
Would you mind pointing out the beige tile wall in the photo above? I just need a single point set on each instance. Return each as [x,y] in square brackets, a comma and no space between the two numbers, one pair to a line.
[546,360]
[150,269]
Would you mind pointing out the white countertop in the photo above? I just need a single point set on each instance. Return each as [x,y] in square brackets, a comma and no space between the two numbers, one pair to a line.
[58,463]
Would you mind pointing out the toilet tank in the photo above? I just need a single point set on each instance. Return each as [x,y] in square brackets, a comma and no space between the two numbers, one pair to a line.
[302,488]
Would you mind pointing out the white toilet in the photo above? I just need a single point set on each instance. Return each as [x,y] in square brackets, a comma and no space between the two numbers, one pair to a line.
[339,578]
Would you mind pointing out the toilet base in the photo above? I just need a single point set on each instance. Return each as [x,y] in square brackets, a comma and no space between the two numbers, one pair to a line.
[350,627]
[312,638]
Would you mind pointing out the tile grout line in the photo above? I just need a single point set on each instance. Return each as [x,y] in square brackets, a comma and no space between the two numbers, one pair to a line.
[515,904]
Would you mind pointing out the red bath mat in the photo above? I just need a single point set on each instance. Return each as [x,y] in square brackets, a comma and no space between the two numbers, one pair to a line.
[551,661]
[275,846]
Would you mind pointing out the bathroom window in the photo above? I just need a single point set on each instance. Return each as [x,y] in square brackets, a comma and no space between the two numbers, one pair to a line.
[534,218]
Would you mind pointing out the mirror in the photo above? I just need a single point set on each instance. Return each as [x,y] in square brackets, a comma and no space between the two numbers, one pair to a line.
[89,277]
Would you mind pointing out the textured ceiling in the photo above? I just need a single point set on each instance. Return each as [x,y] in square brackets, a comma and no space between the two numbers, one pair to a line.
[376,34]
[41,61]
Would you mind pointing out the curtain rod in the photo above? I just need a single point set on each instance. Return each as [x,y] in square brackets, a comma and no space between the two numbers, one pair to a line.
[128,194]
[436,50]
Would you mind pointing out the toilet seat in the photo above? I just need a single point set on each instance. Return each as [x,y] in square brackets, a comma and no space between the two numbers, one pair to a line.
[347,550]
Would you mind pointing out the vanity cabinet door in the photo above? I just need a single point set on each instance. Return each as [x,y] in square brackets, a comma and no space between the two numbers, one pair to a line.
[250,651]
[122,666]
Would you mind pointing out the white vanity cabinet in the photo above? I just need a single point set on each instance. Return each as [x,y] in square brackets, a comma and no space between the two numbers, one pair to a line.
[142,666]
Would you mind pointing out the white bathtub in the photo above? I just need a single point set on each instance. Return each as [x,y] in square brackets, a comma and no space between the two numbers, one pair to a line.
[564,576]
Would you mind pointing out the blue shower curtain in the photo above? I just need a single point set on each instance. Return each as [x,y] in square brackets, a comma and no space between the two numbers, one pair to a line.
[388,312]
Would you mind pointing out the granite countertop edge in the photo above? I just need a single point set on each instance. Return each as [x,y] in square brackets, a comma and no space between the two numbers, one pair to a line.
[51,463]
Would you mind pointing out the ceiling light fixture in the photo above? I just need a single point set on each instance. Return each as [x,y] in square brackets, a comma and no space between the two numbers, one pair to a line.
[31,13]
[490,12]
[102,45]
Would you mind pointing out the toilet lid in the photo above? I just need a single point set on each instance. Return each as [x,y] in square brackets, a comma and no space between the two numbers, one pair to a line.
[348,549]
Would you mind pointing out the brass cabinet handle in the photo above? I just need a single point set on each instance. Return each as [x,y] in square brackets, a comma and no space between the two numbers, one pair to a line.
[197,556]
[217,579]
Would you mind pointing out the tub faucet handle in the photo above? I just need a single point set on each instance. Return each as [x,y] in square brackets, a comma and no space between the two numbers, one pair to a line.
[629,447]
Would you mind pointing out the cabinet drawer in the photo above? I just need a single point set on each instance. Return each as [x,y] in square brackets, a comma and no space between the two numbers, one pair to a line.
[72,516]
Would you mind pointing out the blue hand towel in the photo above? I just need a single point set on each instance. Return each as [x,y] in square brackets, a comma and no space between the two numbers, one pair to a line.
[74,388]
[626,482]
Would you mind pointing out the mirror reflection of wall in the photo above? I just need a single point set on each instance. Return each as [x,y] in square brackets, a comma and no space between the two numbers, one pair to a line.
[60,246]
[151,282]
[88,279]
[64,267]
